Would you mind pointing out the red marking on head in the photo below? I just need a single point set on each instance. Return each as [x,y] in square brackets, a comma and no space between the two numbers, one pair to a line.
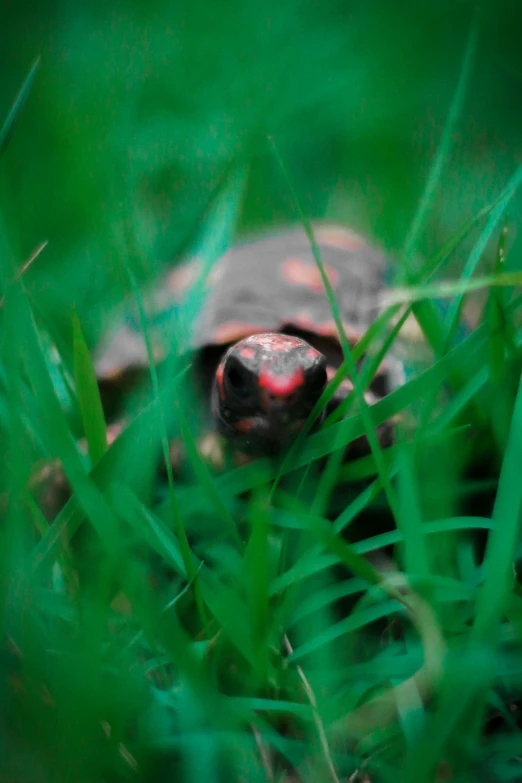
[247,353]
[219,380]
[299,272]
[274,342]
[232,331]
[281,385]
[245,425]
[342,238]
[182,278]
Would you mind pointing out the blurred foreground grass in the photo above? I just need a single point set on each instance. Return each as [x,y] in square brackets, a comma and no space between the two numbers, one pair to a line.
[154,633]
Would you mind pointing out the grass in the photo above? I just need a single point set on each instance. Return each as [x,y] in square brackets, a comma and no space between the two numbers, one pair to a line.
[292,619]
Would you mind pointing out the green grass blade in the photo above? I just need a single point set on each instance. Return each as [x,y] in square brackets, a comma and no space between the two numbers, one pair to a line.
[230,611]
[424,311]
[157,535]
[444,146]
[411,523]
[257,582]
[469,355]
[345,552]
[508,193]
[435,263]
[7,128]
[369,428]
[427,316]
[503,540]
[352,623]
[501,343]
[57,434]
[115,464]
[314,562]
[186,552]
[373,331]
[203,477]
[448,289]
[52,422]
[88,393]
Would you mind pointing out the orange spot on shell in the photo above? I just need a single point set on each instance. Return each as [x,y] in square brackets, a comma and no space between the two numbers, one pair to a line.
[182,278]
[281,385]
[346,385]
[342,238]
[330,372]
[304,321]
[299,272]
[329,329]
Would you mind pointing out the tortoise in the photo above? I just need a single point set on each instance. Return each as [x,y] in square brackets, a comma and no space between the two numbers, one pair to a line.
[265,342]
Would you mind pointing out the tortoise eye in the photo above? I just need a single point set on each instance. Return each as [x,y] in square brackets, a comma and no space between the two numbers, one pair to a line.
[239,379]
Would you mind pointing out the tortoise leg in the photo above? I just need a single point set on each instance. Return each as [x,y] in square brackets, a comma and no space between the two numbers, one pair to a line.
[50,487]
[385,431]
[212,450]
[49,484]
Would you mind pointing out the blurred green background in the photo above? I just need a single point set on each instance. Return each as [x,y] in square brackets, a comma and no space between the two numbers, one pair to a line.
[139,107]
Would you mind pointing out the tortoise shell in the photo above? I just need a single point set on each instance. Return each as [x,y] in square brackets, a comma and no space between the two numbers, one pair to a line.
[261,288]
[267,285]
[256,291]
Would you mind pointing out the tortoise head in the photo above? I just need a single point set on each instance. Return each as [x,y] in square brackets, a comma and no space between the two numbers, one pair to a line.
[265,387]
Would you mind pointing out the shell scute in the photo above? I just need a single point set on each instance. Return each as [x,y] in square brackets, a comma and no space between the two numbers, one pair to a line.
[266,285]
